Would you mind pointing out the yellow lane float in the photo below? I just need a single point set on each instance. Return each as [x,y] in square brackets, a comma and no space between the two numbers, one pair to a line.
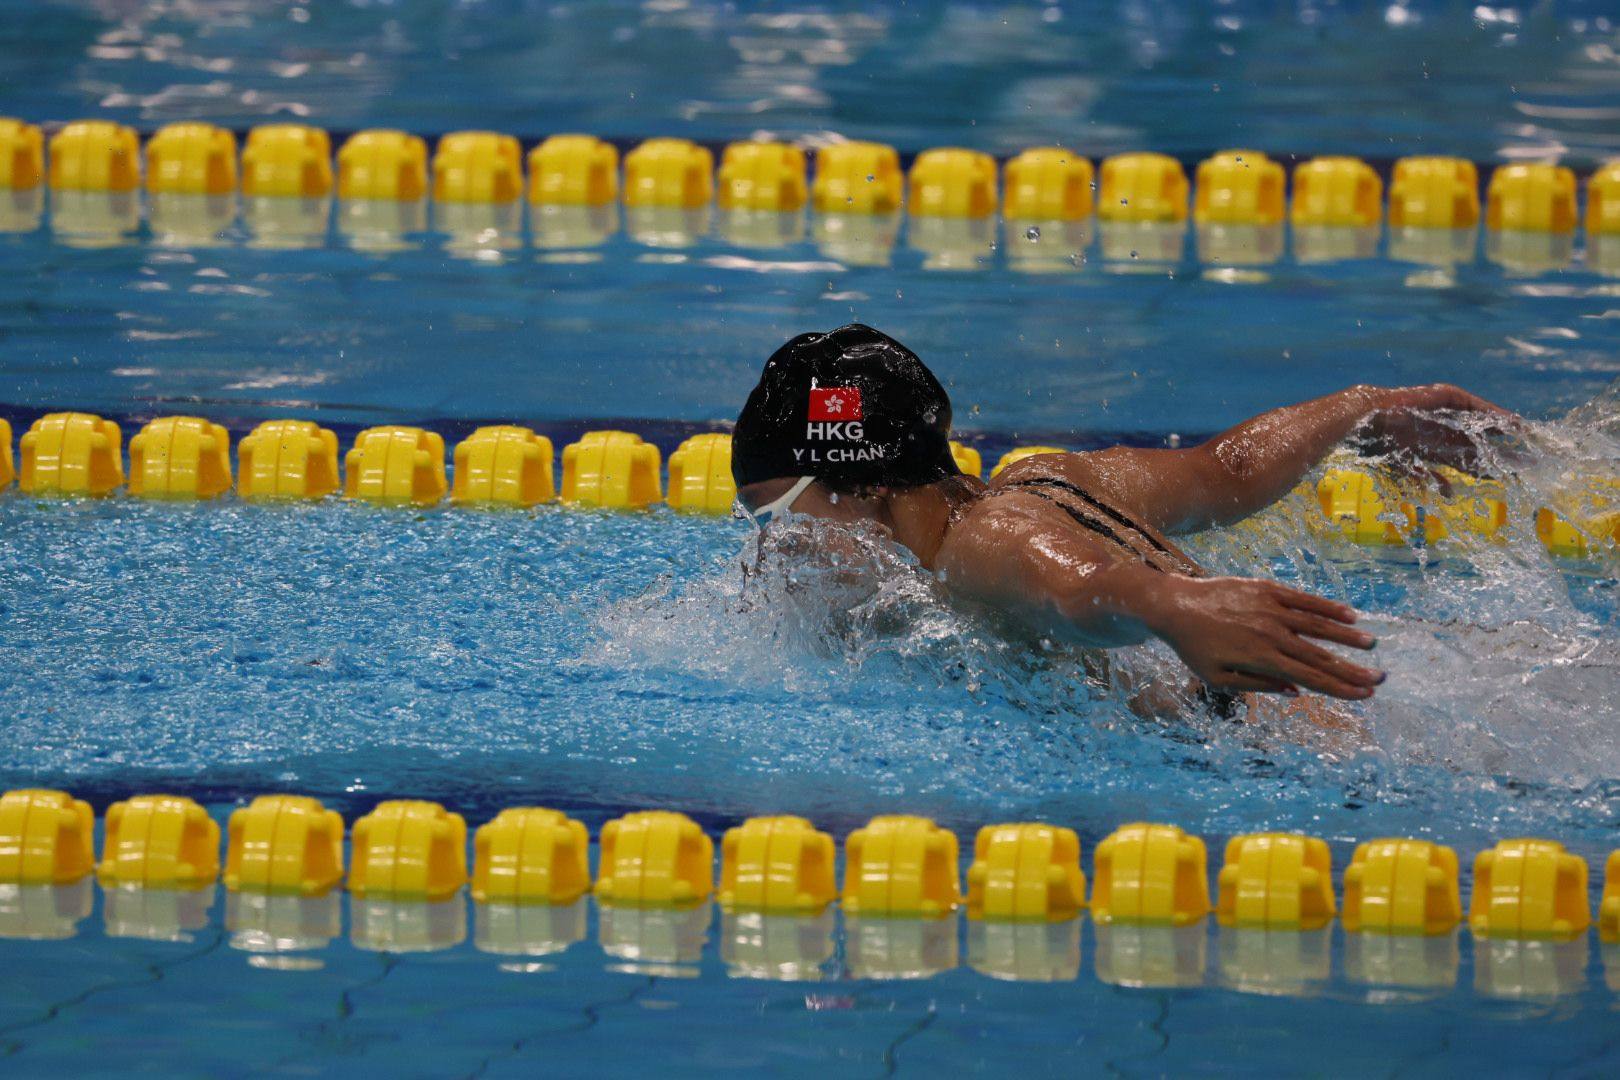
[1275,881]
[530,855]
[1028,872]
[408,849]
[777,864]
[1397,886]
[655,858]
[503,465]
[613,470]
[287,161]
[285,844]
[95,155]
[45,838]
[191,159]
[857,178]
[573,170]
[180,457]
[160,842]
[700,480]
[382,164]
[71,454]
[395,465]
[1142,188]
[287,459]
[1145,873]
[901,865]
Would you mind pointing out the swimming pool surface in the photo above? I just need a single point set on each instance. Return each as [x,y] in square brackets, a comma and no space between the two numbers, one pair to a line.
[605,663]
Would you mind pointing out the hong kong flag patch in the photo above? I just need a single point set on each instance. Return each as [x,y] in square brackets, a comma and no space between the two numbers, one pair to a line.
[835,403]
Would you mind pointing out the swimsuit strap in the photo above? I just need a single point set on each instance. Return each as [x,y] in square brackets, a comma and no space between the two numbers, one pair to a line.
[1091,500]
[1086,520]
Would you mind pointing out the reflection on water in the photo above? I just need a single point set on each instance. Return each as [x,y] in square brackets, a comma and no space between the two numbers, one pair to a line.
[1529,253]
[857,239]
[1133,954]
[1047,247]
[1423,962]
[952,243]
[1275,962]
[1507,968]
[95,219]
[1241,246]
[135,911]
[880,948]
[666,942]
[190,221]
[783,948]
[553,227]
[379,226]
[667,226]
[399,926]
[1444,249]
[479,231]
[528,929]
[21,211]
[283,222]
[262,923]
[1026,952]
[760,228]
[1331,243]
[45,912]
[1142,247]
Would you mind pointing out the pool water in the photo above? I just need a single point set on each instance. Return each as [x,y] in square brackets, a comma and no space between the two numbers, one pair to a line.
[602,663]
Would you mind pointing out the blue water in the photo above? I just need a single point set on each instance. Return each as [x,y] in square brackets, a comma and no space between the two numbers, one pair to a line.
[602,663]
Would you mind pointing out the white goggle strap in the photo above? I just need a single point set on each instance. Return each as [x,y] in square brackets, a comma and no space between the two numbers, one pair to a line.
[762,516]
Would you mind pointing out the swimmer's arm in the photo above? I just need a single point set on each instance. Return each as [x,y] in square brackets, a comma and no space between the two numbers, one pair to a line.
[1233,633]
[1050,580]
[1248,467]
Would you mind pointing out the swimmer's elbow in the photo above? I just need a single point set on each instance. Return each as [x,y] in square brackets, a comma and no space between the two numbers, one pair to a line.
[1108,608]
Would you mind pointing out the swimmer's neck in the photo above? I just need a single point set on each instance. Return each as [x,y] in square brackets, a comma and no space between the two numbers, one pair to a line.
[919,518]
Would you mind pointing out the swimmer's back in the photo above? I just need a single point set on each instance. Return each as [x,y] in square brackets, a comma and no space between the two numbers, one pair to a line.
[1073,492]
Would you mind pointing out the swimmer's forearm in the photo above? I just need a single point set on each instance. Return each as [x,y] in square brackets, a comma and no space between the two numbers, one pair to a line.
[1120,604]
[1259,461]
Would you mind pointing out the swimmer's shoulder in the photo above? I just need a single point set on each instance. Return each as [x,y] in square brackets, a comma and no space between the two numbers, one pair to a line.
[1046,469]
[1015,507]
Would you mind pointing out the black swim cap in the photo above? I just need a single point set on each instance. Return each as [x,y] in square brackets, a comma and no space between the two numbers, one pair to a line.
[852,408]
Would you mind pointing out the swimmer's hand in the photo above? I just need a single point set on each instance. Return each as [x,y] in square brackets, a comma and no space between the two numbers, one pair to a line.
[1240,634]
[1405,422]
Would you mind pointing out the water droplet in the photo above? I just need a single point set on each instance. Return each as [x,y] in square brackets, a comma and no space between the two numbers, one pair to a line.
[1033,233]
[1133,254]
[870,178]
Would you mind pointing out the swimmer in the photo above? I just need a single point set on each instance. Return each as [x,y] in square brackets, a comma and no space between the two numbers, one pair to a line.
[851,426]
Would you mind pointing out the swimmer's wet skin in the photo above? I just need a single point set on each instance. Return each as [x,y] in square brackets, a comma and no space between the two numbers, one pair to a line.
[851,426]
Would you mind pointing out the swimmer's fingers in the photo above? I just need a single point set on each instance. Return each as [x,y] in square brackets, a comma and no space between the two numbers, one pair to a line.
[1239,681]
[1314,605]
[1313,678]
[1315,626]
[1331,664]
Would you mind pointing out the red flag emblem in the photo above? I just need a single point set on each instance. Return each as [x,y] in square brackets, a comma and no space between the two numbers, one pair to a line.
[835,403]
